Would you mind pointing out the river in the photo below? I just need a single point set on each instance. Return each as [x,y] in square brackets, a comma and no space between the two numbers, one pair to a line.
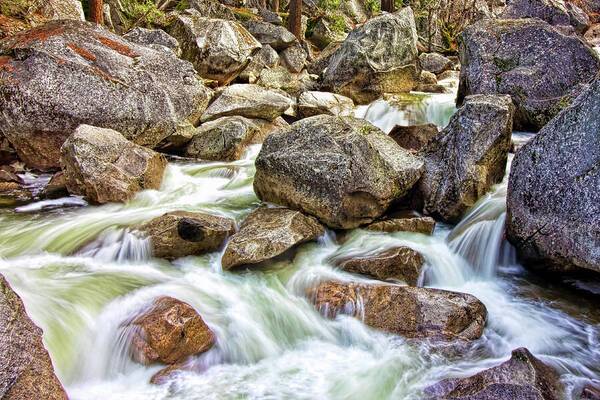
[82,273]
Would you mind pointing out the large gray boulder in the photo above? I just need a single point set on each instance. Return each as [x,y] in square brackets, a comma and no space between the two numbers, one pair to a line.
[224,139]
[553,199]
[265,58]
[434,63]
[275,36]
[212,9]
[342,170]
[248,100]
[218,48]
[103,166]
[268,233]
[67,73]
[155,38]
[467,157]
[522,377]
[312,103]
[415,313]
[27,371]
[378,57]
[538,66]
[554,12]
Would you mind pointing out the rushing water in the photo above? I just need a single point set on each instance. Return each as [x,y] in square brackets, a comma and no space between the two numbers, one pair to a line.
[82,272]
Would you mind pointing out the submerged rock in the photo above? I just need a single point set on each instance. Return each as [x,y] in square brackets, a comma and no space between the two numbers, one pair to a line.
[168,331]
[219,49]
[553,215]
[224,139]
[467,157]
[376,58]
[250,101]
[103,166]
[413,137]
[342,170]
[402,310]
[27,371]
[14,194]
[539,67]
[69,73]
[554,12]
[313,103]
[180,233]
[522,377]
[409,223]
[399,263]
[267,233]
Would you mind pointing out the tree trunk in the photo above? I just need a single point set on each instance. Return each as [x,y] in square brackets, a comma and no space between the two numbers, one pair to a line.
[387,5]
[275,5]
[96,11]
[295,18]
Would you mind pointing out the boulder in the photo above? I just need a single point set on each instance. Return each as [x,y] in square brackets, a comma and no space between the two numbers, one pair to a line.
[27,371]
[590,392]
[467,157]
[322,34]
[522,377]
[539,67]
[14,193]
[168,332]
[266,57]
[342,170]
[20,15]
[248,100]
[103,166]
[218,48]
[181,233]
[212,9]
[320,63]
[314,103]
[281,79]
[434,63]
[413,137]
[415,313]
[592,35]
[155,38]
[267,233]
[428,78]
[69,73]
[294,58]
[406,223]
[56,187]
[376,58]
[554,12]
[275,36]
[553,205]
[224,139]
[399,263]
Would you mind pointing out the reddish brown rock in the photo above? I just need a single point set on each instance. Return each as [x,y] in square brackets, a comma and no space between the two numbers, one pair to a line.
[407,311]
[413,137]
[399,263]
[168,332]
[409,223]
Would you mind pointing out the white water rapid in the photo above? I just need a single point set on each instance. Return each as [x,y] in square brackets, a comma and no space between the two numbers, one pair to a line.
[82,272]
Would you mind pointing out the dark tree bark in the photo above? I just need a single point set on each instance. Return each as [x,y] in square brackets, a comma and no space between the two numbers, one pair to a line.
[387,5]
[295,18]
[275,5]
[96,14]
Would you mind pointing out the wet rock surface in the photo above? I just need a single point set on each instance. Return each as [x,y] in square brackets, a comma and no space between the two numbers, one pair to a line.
[523,376]
[313,103]
[69,73]
[467,157]
[103,166]
[538,66]
[378,57]
[27,371]
[435,63]
[553,214]
[168,331]
[342,170]
[181,233]
[408,223]
[267,233]
[400,263]
[406,311]
[413,137]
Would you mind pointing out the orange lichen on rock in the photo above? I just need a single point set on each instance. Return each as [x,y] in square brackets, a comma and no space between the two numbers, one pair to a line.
[5,64]
[88,55]
[42,33]
[118,47]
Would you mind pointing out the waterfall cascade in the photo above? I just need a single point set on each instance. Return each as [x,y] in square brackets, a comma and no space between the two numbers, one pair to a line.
[82,273]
